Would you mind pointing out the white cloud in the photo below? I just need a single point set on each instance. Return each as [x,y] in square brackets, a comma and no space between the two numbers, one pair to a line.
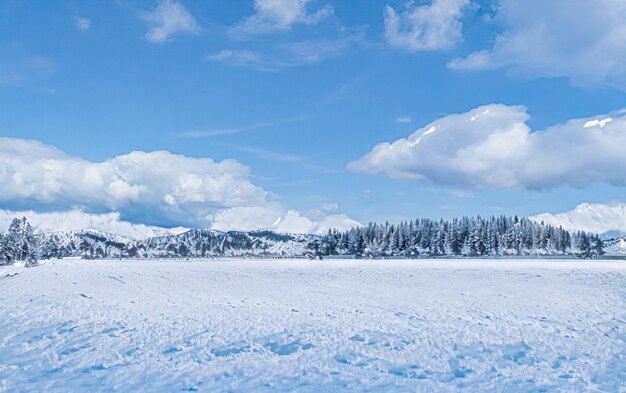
[286,52]
[288,55]
[425,28]
[582,40]
[589,217]
[74,220]
[493,146]
[83,24]
[170,186]
[280,15]
[404,119]
[140,187]
[167,19]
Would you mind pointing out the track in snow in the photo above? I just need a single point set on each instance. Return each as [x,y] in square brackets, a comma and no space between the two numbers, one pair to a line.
[241,325]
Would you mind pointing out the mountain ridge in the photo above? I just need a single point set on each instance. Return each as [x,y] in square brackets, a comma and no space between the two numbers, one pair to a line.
[200,242]
[606,220]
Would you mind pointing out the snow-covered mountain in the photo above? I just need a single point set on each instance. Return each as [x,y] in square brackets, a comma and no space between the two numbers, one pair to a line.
[609,221]
[193,243]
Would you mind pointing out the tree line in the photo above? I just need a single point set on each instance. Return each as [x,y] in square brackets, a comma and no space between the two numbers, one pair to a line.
[465,236]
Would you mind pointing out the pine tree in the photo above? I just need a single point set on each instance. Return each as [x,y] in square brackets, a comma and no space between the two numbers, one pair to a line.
[465,236]
[19,243]
[597,247]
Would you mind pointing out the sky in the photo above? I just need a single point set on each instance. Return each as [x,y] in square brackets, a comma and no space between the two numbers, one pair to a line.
[302,115]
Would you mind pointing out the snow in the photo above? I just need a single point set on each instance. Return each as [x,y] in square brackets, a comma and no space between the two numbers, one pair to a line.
[615,247]
[589,217]
[430,130]
[597,122]
[297,325]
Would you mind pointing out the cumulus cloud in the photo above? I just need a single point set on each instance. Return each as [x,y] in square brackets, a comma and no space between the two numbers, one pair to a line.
[170,187]
[140,187]
[167,19]
[493,146]
[425,28]
[83,24]
[582,40]
[74,220]
[280,15]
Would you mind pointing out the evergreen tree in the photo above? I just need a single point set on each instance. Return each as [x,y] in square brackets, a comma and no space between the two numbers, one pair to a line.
[597,247]
[19,243]
[466,236]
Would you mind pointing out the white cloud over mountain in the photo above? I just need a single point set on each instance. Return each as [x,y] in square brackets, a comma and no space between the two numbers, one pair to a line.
[582,40]
[492,146]
[589,217]
[140,187]
[425,27]
[168,19]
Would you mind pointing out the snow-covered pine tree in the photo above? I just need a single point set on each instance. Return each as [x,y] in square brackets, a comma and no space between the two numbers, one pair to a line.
[491,238]
[470,236]
[596,246]
[454,243]
[438,243]
[19,243]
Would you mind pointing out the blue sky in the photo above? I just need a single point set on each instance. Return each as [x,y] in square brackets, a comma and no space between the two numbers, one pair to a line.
[294,91]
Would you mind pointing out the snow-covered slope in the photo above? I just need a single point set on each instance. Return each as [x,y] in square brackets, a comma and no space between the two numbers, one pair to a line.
[193,243]
[80,243]
[606,220]
[204,242]
[615,246]
[303,326]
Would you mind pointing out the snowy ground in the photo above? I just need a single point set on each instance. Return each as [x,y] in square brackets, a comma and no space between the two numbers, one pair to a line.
[313,326]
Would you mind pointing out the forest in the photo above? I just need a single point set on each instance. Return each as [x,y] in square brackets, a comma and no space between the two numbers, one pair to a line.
[466,236]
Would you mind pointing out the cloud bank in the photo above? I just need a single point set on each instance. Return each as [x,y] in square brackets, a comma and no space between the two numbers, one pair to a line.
[581,40]
[171,187]
[151,188]
[492,146]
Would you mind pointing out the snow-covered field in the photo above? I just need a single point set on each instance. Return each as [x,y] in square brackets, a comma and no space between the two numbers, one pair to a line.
[241,325]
